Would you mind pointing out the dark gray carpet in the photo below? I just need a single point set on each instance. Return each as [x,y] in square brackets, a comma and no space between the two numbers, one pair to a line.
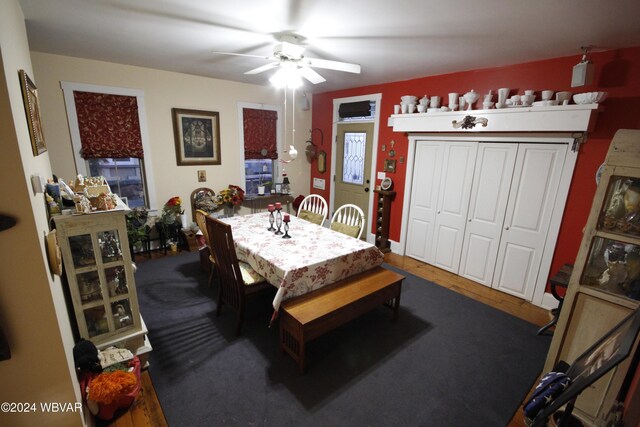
[447,361]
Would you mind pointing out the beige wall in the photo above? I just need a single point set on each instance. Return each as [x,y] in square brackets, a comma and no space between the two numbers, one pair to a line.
[163,91]
[33,315]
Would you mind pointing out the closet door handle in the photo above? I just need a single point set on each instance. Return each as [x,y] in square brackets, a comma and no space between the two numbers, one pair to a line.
[507,227]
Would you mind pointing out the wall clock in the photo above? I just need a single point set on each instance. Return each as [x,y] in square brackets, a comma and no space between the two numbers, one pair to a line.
[386,184]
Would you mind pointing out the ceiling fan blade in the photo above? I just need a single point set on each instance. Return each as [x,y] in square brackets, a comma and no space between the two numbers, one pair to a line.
[311,75]
[263,68]
[243,54]
[332,65]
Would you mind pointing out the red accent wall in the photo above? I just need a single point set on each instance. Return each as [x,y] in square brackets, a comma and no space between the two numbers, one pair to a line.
[616,72]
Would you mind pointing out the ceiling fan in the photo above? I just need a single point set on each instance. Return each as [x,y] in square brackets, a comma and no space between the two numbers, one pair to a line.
[288,56]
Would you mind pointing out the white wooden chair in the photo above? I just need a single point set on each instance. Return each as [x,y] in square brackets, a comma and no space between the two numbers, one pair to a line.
[315,209]
[348,219]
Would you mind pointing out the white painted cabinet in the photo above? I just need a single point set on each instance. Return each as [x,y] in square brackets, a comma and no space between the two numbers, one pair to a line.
[483,210]
[97,261]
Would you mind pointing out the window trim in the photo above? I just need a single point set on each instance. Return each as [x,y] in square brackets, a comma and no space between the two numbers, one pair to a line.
[279,142]
[81,167]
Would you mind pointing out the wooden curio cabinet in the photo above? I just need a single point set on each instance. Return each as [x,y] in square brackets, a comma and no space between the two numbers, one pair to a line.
[605,284]
[99,273]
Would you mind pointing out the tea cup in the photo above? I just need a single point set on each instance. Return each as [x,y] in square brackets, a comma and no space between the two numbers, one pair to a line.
[412,108]
[435,101]
[421,108]
[404,108]
[453,99]
[529,92]
[563,96]
[547,95]
[396,109]
[527,100]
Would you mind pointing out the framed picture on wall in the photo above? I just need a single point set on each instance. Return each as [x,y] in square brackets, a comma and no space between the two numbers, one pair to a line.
[197,137]
[389,165]
[32,108]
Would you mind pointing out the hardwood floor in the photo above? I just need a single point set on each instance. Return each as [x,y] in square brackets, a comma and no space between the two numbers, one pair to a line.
[146,410]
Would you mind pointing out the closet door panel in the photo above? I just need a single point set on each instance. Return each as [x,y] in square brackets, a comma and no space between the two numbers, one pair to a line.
[453,204]
[427,171]
[529,209]
[489,195]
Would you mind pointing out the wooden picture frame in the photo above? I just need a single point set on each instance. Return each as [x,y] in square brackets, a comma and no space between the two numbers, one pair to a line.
[197,137]
[278,187]
[390,165]
[32,109]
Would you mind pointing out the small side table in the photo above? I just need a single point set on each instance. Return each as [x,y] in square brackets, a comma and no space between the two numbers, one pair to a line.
[561,279]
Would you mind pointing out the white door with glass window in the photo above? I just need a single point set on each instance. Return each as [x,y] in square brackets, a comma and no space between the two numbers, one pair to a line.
[489,194]
[353,166]
[529,209]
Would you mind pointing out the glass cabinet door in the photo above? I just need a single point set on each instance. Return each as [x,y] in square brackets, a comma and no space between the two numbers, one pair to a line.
[110,247]
[613,266]
[621,210]
[82,250]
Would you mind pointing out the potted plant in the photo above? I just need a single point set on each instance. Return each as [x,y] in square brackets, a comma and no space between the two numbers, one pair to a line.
[169,222]
[138,227]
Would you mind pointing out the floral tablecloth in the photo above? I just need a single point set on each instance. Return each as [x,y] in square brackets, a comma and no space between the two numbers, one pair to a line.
[314,256]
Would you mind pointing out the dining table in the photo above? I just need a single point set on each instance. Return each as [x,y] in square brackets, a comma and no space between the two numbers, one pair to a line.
[312,257]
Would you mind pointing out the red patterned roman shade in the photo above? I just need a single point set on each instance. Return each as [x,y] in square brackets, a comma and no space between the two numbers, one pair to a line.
[260,131]
[109,125]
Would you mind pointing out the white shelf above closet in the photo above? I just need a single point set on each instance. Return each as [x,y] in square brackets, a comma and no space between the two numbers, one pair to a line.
[563,118]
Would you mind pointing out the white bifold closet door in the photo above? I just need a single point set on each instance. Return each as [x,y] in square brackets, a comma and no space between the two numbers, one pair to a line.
[529,210]
[489,196]
[442,178]
[453,204]
[424,199]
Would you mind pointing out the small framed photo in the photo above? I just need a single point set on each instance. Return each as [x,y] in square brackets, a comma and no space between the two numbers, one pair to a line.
[278,187]
[32,108]
[197,137]
[390,165]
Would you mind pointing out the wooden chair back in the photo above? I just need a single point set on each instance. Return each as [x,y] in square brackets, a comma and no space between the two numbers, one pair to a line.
[350,215]
[232,290]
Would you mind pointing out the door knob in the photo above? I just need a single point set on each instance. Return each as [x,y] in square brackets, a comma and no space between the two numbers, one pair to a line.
[469,220]
[366,189]
[506,228]
[368,181]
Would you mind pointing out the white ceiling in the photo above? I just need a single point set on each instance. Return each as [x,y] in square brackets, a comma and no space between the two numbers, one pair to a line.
[391,40]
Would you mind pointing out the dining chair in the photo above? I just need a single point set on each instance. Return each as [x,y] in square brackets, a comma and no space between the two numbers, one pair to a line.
[201,217]
[349,220]
[314,209]
[202,198]
[238,280]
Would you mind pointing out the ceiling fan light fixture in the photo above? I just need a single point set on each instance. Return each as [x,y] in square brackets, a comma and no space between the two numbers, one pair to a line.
[286,76]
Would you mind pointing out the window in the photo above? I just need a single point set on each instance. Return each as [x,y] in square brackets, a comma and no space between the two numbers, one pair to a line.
[261,135]
[103,146]
[355,144]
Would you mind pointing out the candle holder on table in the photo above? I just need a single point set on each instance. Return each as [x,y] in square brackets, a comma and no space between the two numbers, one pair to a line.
[286,220]
[278,208]
[271,208]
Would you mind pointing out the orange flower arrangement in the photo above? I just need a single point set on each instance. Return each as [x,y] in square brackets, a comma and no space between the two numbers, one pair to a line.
[108,386]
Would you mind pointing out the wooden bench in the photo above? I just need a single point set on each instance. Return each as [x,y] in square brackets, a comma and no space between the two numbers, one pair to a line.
[311,315]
